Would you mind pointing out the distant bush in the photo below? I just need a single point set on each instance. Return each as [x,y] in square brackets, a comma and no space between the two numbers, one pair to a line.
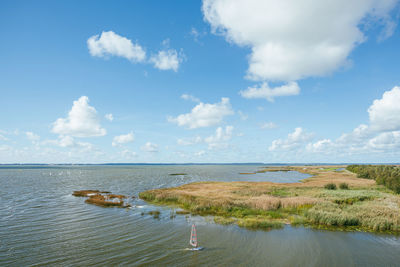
[387,175]
[330,186]
[344,186]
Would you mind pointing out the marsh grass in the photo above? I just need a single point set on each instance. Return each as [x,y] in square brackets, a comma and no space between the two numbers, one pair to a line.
[343,186]
[259,223]
[265,205]
[330,186]
[224,220]
[103,201]
[182,212]
[102,198]
[154,213]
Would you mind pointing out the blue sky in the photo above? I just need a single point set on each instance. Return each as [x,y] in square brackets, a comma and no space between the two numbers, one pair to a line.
[199,81]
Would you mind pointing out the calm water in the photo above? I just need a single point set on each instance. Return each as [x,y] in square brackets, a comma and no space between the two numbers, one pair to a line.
[42,224]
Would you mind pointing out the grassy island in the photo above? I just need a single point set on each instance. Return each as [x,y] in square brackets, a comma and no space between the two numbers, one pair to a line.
[102,199]
[333,198]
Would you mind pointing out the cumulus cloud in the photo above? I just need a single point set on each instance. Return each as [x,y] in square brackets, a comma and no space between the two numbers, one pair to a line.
[127,154]
[3,138]
[264,91]
[294,39]
[109,44]
[268,125]
[219,139]
[243,116]
[82,121]
[382,134]
[197,35]
[200,153]
[190,141]
[69,142]
[150,147]
[357,136]
[123,139]
[112,44]
[294,140]
[5,148]
[109,117]
[34,138]
[167,60]
[324,145]
[190,97]
[385,141]
[204,115]
[384,113]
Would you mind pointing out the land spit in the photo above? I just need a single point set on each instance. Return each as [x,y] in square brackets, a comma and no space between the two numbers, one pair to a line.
[356,204]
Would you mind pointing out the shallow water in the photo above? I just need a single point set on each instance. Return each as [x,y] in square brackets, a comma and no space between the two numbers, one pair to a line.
[42,224]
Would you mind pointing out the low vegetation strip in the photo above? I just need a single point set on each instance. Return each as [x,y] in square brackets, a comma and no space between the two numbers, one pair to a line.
[387,175]
[360,205]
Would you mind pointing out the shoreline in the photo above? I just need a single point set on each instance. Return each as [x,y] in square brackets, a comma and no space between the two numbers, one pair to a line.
[360,205]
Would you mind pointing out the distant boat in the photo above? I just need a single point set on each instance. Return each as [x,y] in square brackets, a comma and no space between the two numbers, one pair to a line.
[193,240]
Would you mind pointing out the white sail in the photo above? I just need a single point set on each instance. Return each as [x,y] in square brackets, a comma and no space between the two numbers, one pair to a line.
[193,236]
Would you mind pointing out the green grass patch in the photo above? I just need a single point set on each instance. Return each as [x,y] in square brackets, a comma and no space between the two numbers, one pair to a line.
[279,192]
[259,223]
[330,186]
[224,220]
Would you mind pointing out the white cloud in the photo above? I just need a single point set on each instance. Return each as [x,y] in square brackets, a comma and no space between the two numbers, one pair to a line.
[382,134]
[190,97]
[69,142]
[384,113]
[82,121]
[112,44]
[150,147]
[324,146]
[264,91]
[191,141]
[220,138]
[385,141]
[197,35]
[204,115]
[294,140]
[268,125]
[167,60]
[243,116]
[109,117]
[200,153]
[66,141]
[357,136]
[127,154]
[293,39]
[5,148]
[123,139]
[3,138]
[32,137]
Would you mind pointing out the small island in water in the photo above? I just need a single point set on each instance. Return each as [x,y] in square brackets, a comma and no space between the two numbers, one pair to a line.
[354,197]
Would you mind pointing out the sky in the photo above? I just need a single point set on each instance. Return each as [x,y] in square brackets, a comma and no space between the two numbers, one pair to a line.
[291,81]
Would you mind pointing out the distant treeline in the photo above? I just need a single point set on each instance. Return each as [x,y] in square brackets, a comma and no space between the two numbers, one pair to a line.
[387,175]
